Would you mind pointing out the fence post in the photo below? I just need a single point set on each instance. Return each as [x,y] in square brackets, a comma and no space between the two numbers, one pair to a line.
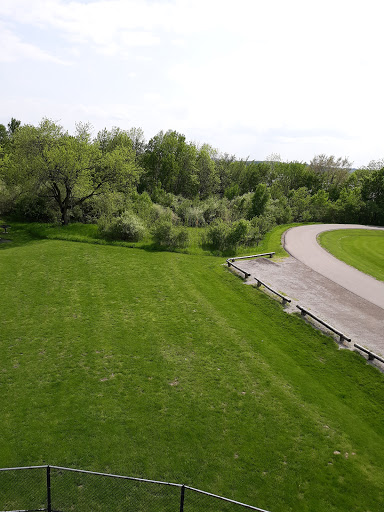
[182,498]
[49,505]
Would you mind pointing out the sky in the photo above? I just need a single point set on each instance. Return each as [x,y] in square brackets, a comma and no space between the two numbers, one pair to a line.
[252,78]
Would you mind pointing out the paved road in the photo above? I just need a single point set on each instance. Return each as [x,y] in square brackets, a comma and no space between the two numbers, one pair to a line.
[301,243]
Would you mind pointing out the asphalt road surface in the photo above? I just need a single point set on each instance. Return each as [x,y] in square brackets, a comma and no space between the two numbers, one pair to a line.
[301,243]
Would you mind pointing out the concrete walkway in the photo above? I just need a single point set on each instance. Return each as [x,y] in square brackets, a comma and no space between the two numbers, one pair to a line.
[301,243]
[358,318]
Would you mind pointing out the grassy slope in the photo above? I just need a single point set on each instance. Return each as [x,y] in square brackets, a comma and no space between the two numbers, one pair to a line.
[88,233]
[360,248]
[166,366]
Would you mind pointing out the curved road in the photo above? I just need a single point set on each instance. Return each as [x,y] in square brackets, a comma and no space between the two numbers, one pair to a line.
[301,243]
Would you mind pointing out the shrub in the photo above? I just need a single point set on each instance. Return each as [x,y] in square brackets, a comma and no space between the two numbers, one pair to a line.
[165,234]
[126,227]
[194,217]
[259,201]
[217,234]
[215,208]
[237,233]
[142,206]
[160,196]
[232,191]
[241,206]
[35,209]
[108,204]
[223,237]
[162,213]
[263,224]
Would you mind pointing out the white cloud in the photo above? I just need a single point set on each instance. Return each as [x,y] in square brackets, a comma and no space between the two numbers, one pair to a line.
[13,49]
[251,77]
[109,26]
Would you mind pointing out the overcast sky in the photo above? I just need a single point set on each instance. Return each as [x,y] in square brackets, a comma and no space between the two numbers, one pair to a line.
[249,77]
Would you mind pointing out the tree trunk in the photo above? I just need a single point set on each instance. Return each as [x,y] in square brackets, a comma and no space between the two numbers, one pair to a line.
[64,216]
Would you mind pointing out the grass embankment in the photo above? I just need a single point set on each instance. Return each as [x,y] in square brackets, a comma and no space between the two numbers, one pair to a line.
[165,366]
[360,248]
[88,233]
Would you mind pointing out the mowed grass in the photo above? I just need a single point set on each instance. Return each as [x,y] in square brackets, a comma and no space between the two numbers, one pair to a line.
[360,248]
[165,366]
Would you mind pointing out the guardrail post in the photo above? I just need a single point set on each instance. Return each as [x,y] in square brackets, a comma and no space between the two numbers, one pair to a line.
[182,492]
[49,504]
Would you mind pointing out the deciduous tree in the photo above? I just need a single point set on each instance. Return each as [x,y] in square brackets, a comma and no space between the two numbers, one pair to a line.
[70,169]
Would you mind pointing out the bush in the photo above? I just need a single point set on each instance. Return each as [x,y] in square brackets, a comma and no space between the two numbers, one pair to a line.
[215,208]
[222,236]
[238,233]
[232,191]
[241,206]
[160,196]
[217,234]
[126,227]
[194,217]
[165,234]
[263,224]
[162,213]
[142,206]
[36,209]
[109,204]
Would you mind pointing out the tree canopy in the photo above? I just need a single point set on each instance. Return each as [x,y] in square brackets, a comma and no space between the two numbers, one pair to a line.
[46,172]
[70,168]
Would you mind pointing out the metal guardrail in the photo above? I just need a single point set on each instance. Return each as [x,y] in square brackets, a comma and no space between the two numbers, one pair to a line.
[259,283]
[371,355]
[343,337]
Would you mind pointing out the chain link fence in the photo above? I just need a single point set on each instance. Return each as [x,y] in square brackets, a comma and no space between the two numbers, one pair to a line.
[57,489]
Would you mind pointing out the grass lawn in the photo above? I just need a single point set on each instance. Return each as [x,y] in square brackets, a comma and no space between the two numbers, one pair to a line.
[165,366]
[360,248]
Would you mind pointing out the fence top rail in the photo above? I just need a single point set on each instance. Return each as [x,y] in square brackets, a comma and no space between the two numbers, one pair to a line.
[28,510]
[226,499]
[24,467]
[270,254]
[116,476]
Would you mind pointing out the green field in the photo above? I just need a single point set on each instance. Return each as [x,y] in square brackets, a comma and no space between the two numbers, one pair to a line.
[165,366]
[360,248]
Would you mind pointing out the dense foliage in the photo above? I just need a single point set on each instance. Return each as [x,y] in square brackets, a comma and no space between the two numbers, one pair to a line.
[46,174]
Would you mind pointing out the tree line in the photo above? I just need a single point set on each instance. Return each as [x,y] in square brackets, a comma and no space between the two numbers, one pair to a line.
[48,174]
